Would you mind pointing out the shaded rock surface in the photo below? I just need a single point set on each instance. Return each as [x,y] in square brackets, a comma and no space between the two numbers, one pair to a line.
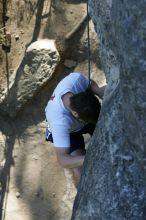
[116,157]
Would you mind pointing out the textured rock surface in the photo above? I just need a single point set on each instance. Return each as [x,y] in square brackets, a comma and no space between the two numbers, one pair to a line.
[116,157]
[35,70]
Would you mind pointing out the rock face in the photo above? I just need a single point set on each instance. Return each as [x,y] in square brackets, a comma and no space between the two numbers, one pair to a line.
[116,157]
[38,65]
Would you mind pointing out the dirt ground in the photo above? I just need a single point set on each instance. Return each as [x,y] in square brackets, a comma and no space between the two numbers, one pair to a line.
[33,186]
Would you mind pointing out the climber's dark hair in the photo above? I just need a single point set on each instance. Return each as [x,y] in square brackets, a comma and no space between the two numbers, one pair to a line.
[87,105]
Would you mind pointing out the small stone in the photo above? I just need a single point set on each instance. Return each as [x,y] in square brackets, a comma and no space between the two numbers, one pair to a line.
[70,63]
[54,195]
[18,195]
[17,37]
[37,194]
[11,70]
[71,11]
[35,158]
[80,52]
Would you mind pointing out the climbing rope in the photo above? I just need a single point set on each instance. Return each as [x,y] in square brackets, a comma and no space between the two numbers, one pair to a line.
[88,35]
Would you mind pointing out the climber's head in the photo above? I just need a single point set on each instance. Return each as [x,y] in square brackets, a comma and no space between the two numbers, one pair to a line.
[85,106]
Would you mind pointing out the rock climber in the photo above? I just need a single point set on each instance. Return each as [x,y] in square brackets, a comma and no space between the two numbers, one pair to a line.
[72,111]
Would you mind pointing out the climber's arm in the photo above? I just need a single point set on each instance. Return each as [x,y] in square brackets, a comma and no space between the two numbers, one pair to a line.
[99,91]
[66,160]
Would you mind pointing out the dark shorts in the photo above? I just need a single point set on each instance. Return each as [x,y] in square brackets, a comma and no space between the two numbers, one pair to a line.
[76,138]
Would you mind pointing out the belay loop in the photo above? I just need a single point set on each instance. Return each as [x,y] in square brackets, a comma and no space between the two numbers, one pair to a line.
[88,19]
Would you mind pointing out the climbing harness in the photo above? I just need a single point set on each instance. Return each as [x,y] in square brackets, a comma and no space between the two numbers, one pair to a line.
[88,35]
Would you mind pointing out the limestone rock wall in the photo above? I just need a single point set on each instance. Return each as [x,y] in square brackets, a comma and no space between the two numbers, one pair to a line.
[116,157]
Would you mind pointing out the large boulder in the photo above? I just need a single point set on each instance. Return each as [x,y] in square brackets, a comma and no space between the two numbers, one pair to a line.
[113,184]
[37,67]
